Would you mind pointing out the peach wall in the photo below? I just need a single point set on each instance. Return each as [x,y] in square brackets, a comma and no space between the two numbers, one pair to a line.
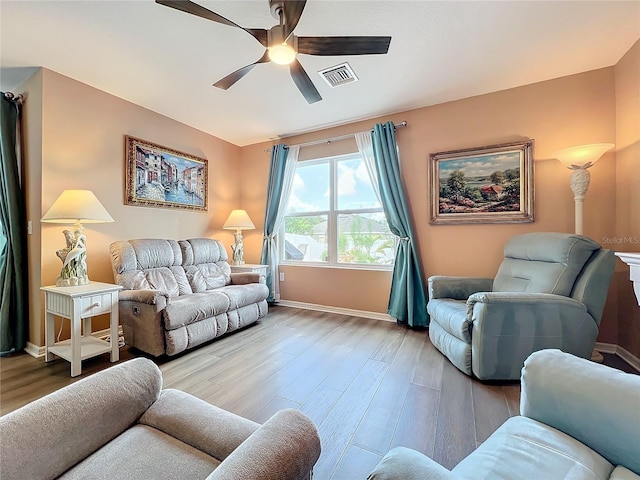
[557,114]
[626,236]
[31,130]
[83,133]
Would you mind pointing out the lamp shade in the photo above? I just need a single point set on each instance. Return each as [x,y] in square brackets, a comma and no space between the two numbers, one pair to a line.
[77,206]
[238,220]
[582,156]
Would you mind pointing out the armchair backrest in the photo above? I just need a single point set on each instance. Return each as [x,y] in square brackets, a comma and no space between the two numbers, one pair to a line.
[592,285]
[544,263]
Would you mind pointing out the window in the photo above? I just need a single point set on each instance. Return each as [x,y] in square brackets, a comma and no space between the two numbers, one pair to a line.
[333,216]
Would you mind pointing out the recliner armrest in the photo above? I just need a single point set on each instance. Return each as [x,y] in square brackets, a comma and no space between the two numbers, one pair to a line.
[457,288]
[595,404]
[508,326]
[286,447]
[198,423]
[151,297]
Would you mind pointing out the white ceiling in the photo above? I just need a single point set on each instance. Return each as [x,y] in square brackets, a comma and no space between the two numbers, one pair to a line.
[167,60]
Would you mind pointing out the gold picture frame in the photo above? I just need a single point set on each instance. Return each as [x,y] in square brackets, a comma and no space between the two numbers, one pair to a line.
[492,184]
[158,176]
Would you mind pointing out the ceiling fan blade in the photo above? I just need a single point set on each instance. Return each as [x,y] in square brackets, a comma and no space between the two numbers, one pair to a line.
[304,83]
[343,45]
[232,78]
[292,12]
[188,6]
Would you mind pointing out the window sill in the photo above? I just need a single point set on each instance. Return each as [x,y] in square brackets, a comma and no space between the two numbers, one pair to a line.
[374,268]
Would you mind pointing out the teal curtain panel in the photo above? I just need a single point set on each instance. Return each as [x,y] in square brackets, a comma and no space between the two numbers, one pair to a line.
[14,319]
[408,299]
[277,179]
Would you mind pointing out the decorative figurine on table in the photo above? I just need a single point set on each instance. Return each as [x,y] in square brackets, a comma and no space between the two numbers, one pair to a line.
[74,265]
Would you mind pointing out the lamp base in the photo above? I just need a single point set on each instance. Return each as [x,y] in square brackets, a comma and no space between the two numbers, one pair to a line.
[72,281]
[238,248]
[74,264]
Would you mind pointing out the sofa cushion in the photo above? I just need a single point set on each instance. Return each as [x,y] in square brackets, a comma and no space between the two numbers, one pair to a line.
[543,263]
[526,449]
[162,279]
[207,276]
[205,263]
[187,309]
[144,452]
[242,295]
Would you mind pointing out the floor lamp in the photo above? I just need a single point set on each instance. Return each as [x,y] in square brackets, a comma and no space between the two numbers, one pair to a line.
[579,159]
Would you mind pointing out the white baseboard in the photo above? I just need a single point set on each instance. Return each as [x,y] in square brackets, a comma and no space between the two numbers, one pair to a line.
[38,352]
[621,352]
[339,310]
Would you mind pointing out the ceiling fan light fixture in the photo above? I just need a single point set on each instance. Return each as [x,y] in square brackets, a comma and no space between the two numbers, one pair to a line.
[282,54]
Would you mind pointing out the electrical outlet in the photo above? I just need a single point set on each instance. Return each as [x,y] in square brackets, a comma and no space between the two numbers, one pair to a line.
[282,276]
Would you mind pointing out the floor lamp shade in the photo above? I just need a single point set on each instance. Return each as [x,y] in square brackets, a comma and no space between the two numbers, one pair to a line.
[579,159]
[75,207]
[238,220]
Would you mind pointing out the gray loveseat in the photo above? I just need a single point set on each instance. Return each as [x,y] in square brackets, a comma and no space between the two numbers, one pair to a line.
[120,424]
[578,421]
[180,294]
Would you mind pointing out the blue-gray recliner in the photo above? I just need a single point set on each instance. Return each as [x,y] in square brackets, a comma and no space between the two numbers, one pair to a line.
[549,292]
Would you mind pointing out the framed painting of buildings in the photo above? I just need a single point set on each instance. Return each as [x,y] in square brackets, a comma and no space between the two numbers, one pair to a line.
[492,184]
[158,176]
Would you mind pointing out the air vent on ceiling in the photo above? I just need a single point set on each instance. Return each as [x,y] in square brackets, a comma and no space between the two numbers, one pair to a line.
[338,75]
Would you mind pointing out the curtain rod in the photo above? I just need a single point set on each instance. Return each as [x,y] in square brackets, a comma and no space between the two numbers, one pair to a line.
[335,139]
[341,137]
[13,98]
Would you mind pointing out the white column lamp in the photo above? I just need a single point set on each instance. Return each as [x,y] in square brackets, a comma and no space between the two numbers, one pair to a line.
[238,220]
[75,207]
[579,159]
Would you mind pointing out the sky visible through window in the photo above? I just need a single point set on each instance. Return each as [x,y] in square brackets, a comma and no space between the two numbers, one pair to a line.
[310,191]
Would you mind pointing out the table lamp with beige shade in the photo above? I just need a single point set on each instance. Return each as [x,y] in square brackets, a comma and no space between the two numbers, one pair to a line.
[75,207]
[238,220]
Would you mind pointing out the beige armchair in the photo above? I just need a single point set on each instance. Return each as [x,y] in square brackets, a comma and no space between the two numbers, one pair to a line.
[120,424]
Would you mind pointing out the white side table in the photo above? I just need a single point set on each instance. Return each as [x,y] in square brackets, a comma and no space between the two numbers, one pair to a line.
[79,304]
[251,267]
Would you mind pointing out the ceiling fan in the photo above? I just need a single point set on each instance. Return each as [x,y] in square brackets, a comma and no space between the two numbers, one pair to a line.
[282,46]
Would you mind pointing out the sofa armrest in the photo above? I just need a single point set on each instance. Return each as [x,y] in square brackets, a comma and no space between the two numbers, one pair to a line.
[151,297]
[508,326]
[198,423]
[50,435]
[457,288]
[242,278]
[595,404]
[286,447]
[402,463]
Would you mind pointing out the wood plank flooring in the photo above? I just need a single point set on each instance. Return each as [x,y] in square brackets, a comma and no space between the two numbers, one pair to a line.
[368,385]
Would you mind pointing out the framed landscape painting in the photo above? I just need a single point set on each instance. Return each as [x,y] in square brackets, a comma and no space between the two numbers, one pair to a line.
[492,184]
[158,176]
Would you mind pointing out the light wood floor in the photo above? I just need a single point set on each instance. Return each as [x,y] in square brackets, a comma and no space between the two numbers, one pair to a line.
[368,385]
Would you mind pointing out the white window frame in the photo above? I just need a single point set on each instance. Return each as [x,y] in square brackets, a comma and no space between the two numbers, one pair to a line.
[332,221]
